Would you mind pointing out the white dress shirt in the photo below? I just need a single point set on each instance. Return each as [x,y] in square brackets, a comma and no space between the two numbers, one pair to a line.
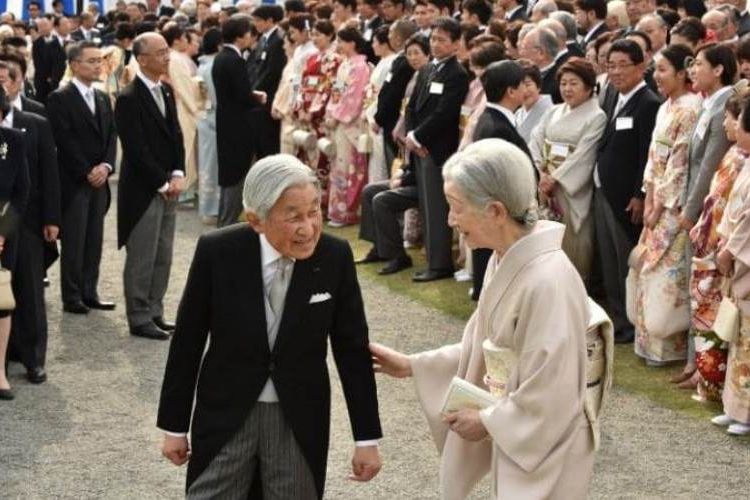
[510,115]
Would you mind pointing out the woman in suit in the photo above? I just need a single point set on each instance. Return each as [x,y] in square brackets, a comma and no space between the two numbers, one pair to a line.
[563,147]
[14,190]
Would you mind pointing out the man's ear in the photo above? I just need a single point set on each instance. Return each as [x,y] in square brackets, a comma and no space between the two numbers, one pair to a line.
[254,221]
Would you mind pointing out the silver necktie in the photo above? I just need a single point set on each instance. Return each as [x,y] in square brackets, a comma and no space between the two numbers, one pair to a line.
[279,285]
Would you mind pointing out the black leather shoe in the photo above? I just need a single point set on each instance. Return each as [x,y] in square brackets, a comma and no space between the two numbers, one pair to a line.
[37,375]
[45,281]
[163,324]
[99,304]
[75,308]
[430,275]
[372,256]
[6,394]
[149,331]
[625,336]
[395,265]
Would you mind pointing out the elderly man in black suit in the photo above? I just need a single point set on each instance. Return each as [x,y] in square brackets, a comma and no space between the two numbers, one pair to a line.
[432,117]
[618,175]
[391,95]
[151,179]
[87,30]
[40,225]
[272,295]
[84,128]
[53,62]
[270,59]
[236,111]
[541,46]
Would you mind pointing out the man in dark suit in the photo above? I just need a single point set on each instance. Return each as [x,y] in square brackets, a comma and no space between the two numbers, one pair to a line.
[590,18]
[391,95]
[39,53]
[369,21]
[84,129]
[87,30]
[272,295]
[47,77]
[618,175]
[514,10]
[236,110]
[151,179]
[40,225]
[541,46]
[271,60]
[15,85]
[432,117]
[502,85]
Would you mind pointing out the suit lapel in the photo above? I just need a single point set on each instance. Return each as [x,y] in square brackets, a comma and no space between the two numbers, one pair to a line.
[148,100]
[297,297]
[625,111]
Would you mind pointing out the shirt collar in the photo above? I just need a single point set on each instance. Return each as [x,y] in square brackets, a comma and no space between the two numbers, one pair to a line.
[234,48]
[510,115]
[82,88]
[17,103]
[709,101]
[624,98]
[510,13]
[561,53]
[149,83]
[268,33]
[268,254]
[548,67]
[592,30]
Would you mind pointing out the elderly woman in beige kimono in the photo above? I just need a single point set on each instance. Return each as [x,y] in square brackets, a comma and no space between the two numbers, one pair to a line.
[535,439]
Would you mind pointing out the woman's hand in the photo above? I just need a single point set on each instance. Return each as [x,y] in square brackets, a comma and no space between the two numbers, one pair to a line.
[724,262]
[547,185]
[2,243]
[389,361]
[653,216]
[467,424]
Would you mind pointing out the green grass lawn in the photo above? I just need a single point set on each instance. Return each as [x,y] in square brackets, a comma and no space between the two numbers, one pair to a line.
[452,298]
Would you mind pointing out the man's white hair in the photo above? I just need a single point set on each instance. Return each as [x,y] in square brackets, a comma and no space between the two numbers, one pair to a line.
[269,178]
[495,170]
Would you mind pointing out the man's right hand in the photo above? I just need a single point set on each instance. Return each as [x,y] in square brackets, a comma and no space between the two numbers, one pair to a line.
[176,449]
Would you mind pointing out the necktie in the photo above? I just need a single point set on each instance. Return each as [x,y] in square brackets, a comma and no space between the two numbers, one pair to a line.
[90,101]
[618,106]
[279,285]
[159,96]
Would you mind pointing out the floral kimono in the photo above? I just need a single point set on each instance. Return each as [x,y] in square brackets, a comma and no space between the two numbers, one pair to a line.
[706,280]
[661,296]
[735,229]
[318,76]
[349,170]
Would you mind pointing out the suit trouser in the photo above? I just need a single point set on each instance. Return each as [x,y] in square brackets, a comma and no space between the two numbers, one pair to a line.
[81,244]
[433,206]
[382,209]
[389,149]
[29,326]
[148,262]
[264,440]
[230,204]
[614,247]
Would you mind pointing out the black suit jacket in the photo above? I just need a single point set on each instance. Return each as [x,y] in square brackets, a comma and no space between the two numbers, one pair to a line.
[518,15]
[83,140]
[574,49]
[271,61]
[493,123]
[371,25]
[14,187]
[78,36]
[224,296]
[744,27]
[600,30]
[434,116]
[235,116]
[550,86]
[53,64]
[31,106]
[391,94]
[151,150]
[622,154]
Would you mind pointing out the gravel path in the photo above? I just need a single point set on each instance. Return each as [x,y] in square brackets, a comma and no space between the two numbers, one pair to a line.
[89,431]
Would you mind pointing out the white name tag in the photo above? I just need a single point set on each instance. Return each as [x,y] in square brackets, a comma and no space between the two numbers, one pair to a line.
[312,80]
[559,150]
[436,88]
[624,123]
[389,77]
[263,56]
[367,35]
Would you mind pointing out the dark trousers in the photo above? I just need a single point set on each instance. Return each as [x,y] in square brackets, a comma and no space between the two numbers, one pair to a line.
[230,204]
[81,244]
[480,257]
[390,148]
[268,135]
[614,247]
[382,208]
[433,206]
[28,336]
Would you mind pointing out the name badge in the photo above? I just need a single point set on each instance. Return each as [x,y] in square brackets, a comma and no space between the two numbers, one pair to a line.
[624,123]
[389,77]
[312,80]
[559,150]
[436,88]
[367,35]
[263,56]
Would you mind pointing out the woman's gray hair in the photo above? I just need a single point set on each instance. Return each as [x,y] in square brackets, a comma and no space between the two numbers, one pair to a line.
[270,177]
[495,170]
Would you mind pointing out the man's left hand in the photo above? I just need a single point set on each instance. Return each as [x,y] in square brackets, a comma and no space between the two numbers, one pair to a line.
[366,463]
[635,208]
[467,424]
[50,233]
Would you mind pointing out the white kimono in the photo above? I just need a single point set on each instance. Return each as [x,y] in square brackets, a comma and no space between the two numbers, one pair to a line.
[542,445]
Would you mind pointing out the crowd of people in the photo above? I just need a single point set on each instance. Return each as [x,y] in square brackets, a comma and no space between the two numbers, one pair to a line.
[633,113]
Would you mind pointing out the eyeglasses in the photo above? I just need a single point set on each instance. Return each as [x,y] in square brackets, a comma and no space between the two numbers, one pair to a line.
[619,67]
[92,61]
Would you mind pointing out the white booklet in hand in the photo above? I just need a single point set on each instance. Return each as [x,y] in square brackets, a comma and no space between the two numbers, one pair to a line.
[462,394]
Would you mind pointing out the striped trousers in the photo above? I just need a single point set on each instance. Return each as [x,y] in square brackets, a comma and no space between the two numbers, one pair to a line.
[264,439]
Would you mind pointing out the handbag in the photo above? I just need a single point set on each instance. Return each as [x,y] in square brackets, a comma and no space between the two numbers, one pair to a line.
[727,323]
[7,300]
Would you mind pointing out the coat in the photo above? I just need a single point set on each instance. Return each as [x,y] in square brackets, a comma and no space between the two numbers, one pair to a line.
[541,444]
[224,296]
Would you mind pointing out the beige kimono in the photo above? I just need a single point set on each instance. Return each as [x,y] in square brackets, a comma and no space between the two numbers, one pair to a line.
[541,445]
[182,72]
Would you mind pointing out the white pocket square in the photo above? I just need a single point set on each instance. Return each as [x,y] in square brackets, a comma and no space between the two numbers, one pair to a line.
[319,297]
